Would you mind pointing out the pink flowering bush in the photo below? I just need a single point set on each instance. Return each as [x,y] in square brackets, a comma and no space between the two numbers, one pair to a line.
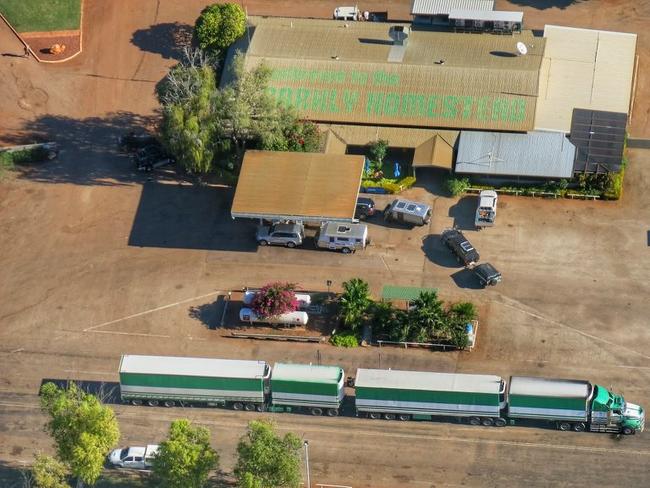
[275,299]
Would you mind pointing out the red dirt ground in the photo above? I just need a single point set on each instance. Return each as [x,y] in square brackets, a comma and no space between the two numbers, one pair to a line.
[40,43]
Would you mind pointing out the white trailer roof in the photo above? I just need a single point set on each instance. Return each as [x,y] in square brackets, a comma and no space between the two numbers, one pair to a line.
[421,380]
[487,15]
[179,366]
[306,372]
[526,385]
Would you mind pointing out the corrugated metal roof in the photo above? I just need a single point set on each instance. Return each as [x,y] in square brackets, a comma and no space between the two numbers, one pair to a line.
[535,154]
[392,292]
[442,7]
[583,68]
[298,186]
[527,385]
[181,366]
[489,15]
[362,135]
[307,372]
[421,380]
[332,73]
[436,152]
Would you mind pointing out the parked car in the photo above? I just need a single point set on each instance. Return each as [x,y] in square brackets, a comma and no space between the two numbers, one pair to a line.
[151,157]
[408,212]
[133,457]
[134,141]
[460,246]
[289,235]
[486,212]
[365,208]
[344,237]
[487,274]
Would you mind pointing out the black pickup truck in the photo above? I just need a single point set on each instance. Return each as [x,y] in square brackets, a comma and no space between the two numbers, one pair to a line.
[460,246]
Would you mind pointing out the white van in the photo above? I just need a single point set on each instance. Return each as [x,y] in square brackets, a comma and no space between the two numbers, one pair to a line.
[342,236]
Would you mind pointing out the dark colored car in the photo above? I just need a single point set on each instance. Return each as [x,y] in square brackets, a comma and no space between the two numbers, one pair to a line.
[365,208]
[487,274]
[151,157]
[460,246]
[133,141]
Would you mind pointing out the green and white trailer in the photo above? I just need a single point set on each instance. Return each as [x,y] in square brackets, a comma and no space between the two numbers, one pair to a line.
[167,380]
[422,395]
[572,404]
[317,389]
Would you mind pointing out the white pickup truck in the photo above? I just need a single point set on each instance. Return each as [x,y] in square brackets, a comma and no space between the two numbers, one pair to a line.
[486,212]
[133,457]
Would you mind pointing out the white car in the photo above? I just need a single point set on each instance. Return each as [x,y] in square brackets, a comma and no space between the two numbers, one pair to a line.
[486,212]
[133,457]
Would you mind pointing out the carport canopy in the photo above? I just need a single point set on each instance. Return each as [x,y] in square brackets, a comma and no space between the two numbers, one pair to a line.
[297,186]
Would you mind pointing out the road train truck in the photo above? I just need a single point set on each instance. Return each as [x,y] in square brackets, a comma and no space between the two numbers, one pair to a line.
[169,381]
[317,389]
[572,404]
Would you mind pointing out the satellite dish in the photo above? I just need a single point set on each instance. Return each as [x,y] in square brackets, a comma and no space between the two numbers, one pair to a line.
[521,47]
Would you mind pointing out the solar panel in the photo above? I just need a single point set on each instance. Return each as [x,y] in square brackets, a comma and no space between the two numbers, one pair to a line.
[599,138]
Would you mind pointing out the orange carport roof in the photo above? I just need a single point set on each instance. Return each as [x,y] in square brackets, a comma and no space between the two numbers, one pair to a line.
[278,185]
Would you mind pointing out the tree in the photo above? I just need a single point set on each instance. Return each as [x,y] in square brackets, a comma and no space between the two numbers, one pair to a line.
[275,299]
[83,429]
[354,302]
[185,458]
[427,316]
[246,113]
[267,460]
[188,128]
[219,25]
[49,473]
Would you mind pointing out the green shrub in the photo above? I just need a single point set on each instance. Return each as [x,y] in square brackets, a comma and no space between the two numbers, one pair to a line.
[614,188]
[219,26]
[457,186]
[391,186]
[344,339]
[6,162]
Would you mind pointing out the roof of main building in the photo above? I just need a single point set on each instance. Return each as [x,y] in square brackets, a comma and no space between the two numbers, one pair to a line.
[334,71]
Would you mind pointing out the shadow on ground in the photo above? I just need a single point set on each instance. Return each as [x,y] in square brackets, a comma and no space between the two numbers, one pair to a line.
[545,4]
[89,152]
[465,278]
[167,39]
[107,391]
[209,314]
[189,217]
[438,253]
[463,213]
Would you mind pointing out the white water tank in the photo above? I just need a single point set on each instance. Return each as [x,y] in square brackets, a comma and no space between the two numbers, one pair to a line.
[291,318]
[304,300]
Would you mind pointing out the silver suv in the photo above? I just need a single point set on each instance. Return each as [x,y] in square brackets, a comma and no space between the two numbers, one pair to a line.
[289,235]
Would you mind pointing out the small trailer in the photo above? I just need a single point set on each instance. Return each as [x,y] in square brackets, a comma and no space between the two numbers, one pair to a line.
[168,381]
[317,389]
[486,212]
[422,395]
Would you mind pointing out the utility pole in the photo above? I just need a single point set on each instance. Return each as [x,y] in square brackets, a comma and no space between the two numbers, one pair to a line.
[306,444]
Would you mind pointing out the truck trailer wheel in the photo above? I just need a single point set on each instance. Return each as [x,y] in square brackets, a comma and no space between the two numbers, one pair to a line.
[316,411]
[169,403]
[579,427]
[389,416]
[261,407]
[627,431]
[487,422]
[404,417]
[374,415]
[250,407]
[153,403]
[136,402]
[238,406]
[500,422]
[564,426]
[332,412]
[474,421]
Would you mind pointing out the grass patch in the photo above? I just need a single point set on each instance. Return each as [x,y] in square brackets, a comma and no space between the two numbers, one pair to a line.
[42,15]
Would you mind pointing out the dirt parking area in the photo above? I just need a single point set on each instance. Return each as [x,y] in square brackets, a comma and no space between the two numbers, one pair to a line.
[100,261]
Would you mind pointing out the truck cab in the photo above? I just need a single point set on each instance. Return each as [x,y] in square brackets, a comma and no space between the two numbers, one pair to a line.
[611,413]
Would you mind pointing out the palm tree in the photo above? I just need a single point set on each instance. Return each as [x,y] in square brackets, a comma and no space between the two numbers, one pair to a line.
[354,303]
[427,315]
